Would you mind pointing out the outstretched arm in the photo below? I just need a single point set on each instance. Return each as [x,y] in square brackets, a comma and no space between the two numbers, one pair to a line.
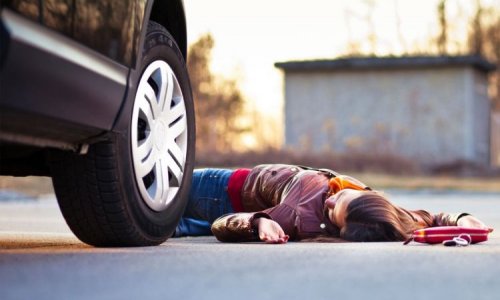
[463,220]
[248,227]
[270,231]
[472,222]
[237,227]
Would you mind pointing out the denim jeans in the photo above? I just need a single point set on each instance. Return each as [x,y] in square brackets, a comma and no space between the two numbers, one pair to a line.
[208,200]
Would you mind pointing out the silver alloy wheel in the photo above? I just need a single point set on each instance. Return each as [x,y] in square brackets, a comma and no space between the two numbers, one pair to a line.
[159,135]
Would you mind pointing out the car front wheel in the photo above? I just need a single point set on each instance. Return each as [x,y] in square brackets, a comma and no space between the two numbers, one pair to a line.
[131,189]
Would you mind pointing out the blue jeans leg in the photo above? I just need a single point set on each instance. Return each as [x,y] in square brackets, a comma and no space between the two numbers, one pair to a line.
[208,200]
[192,227]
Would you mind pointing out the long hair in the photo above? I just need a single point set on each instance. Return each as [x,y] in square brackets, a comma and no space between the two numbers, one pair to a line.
[372,217]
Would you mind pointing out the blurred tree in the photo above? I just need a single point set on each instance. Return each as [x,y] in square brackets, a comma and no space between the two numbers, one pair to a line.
[476,37]
[484,39]
[372,34]
[443,28]
[218,101]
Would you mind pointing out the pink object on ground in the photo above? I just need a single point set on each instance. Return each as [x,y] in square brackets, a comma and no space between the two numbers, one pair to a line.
[436,235]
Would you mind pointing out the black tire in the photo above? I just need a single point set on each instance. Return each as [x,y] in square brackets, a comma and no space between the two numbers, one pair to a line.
[100,195]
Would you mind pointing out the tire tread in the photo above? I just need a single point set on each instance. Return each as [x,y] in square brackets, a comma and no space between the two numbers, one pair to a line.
[88,194]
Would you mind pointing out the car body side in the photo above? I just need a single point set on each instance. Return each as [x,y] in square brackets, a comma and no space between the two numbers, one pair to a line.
[67,69]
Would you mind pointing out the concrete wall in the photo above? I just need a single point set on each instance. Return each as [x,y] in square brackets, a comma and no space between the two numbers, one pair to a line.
[482,121]
[495,139]
[434,116]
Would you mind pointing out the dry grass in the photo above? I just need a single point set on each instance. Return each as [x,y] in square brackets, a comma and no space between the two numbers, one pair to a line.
[388,181]
[35,186]
[353,162]
[30,185]
[378,171]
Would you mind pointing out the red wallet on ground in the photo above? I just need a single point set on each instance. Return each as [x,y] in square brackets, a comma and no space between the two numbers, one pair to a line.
[436,235]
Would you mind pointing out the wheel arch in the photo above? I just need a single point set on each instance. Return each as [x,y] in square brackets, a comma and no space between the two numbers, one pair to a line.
[171,15]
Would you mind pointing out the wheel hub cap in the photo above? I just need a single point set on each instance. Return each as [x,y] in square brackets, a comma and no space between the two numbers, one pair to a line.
[159,135]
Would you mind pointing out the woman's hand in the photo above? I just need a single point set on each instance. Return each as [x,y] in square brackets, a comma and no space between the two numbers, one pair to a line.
[270,231]
[472,222]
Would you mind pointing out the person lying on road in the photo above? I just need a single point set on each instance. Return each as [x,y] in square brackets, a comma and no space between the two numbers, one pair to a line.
[276,203]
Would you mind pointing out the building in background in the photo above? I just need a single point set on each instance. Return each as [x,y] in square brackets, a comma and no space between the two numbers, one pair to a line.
[495,139]
[433,110]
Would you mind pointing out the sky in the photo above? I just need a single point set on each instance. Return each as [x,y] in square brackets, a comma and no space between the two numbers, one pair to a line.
[250,36]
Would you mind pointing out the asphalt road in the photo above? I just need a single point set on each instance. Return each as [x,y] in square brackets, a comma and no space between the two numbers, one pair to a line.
[41,259]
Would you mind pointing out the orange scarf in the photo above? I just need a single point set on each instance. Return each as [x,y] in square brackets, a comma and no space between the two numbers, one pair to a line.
[341,182]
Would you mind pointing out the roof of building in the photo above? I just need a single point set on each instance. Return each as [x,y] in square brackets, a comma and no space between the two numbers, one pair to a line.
[403,62]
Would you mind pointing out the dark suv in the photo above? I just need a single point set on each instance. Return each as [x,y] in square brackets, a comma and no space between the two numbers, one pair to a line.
[96,94]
